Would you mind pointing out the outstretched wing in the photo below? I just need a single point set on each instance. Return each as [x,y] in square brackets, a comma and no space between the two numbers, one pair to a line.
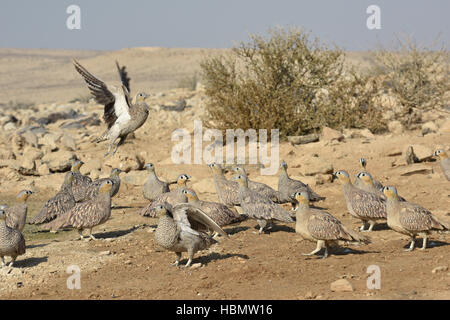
[123,76]
[186,213]
[116,103]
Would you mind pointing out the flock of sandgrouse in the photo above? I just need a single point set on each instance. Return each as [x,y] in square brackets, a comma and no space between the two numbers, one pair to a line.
[188,224]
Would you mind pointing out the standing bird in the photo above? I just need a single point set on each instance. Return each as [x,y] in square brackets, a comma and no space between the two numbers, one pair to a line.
[154,187]
[173,197]
[365,182]
[80,182]
[88,214]
[122,115]
[220,213]
[363,205]
[16,216]
[411,219]
[12,242]
[259,187]
[226,190]
[287,187]
[180,230]
[359,184]
[92,190]
[259,207]
[321,227]
[445,162]
[59,204]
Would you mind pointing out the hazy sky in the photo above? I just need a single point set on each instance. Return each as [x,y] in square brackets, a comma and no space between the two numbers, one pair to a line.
[109,25]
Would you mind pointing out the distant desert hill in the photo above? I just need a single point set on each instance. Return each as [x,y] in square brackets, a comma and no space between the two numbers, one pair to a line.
[47,75]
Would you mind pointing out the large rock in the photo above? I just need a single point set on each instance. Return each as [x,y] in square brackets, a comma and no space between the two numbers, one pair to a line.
[50,141]
[126,163]
[329,134]
[68,142]
[313,137]
[341,285]
[415,168]
[60,161]
[445,127]
[358,133]
[25,166]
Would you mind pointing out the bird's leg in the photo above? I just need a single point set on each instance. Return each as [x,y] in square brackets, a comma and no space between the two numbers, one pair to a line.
[413,242]
[190,256]
[3,261]
[175,264]
[115,148]
[262,225]
[371,224]
[91,236]
[320,244]
[325,254]
[363,227]
[424,245]
[13,259]
[80,233]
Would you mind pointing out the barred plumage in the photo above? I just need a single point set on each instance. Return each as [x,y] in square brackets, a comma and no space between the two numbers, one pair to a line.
[12,242]
[88,214]
[260,187]
[321,227]
[16,215]
[361,204]
[259,207]
[180,230]
[59,204]
[411,219]
[80,182]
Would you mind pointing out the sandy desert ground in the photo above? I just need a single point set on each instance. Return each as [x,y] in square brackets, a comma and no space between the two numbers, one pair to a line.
[125,262]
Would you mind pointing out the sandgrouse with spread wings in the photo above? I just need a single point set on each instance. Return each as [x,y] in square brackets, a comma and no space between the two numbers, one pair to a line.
[122,114]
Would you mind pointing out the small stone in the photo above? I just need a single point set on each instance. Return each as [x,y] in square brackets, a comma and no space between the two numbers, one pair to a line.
[329,134]
[439,269]
[313,137]
[341,285]
[105,253]
[196,265]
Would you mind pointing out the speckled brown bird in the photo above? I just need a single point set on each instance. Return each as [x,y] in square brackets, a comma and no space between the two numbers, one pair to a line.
[179,230]
[287,187]
[411,219]
[259,207]
[92,190]
[319,226]
[153,186]
[260,187]
[16,216]
[360,184]
[445,162]
[80,182]
[88,214]
[173,197]
[363,205]
[220,213]
[122,114]
[12,242]
[365,182]
[59,204]
[226,190]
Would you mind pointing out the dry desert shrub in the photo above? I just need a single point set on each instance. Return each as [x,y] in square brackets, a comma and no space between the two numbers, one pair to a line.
[415,75]
[287,81]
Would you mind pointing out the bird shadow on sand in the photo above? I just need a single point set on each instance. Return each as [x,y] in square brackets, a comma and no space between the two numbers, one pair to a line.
[339,252]
[121,207]
[235,230]
[113,234]
[204,260]
[277,228]
[381,226]
[430,244]
[30,262]
[39,245]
